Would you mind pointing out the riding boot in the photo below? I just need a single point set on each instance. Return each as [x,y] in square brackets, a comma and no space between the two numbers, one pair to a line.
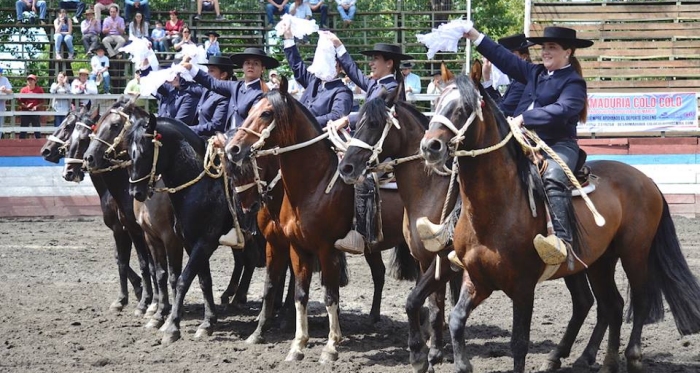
[553,248]
[232,239]
[365,219]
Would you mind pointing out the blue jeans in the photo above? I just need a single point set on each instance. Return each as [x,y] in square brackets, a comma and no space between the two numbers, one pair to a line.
[159,46]
[79,7]
[21,7]
[347,15]
[60,39]
[105,80]
[130,10]
[272,10]
[324,14]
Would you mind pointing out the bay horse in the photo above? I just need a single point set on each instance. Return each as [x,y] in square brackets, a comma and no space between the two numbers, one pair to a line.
[311,218]
[424,193]
[201,208]
[53,151]
[494,234]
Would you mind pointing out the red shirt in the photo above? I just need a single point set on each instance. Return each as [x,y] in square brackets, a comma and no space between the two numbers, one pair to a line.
[31,102]
[175,29]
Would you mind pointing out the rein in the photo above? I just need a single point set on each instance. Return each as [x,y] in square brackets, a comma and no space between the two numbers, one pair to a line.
[112,148]
[64,144]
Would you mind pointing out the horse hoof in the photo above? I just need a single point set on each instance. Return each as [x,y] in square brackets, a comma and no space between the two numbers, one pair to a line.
[435,357]
[582,363]
[635,366]
[154,324]
[420,366]
[203,333]
[419,361]
[139,312]
[254,339]
[550,365]
[430,368]
[328,356]
[295,355]
[170,338]
[116,306]
[166,325]
[151,310]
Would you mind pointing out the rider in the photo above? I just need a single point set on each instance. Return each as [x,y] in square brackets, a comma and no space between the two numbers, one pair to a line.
[554,100]
[212,108]
[177,99]
[507,102]
[384,64]
[327,98]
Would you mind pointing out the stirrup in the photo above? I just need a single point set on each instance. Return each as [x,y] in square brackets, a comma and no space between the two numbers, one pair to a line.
[352,243]
[455,262]
[432,235]
[551,249]
[231,239]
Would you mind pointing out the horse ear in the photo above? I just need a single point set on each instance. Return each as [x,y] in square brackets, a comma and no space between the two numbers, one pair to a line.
[476,71]
[88,105]
[447,75]
[284,84]
[133,97]
[95,114]
[390,98]
[152,121]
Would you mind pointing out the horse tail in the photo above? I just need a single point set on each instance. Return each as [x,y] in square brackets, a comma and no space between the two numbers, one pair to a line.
[670,274]
[403,265]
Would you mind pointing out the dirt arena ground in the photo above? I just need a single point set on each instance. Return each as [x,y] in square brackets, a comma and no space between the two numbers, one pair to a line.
[58,277]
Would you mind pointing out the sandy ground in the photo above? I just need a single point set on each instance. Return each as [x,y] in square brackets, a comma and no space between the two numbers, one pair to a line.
[58,277]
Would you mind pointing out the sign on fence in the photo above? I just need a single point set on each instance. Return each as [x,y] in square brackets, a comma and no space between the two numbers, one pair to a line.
[625,112]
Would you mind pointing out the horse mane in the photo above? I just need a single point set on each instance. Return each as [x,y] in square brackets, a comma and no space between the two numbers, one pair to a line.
[422,119]
[168,126]
[376,108]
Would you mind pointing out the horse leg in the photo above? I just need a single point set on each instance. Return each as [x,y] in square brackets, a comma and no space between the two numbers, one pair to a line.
[158,253]
[303,269]
[601,275]
[235,278]
[330,271]
[122,253]
[376,265]
[469,298]
[522,318]
[582,301]
[250,260]
[206,328]
[286,312]
[142,251]
[277,261]
[638,277]
[420,357]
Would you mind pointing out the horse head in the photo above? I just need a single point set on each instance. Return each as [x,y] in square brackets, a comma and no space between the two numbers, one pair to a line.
[458,120]
[77,144]
[106,146]
[142,140]
[57,143]
[371,142]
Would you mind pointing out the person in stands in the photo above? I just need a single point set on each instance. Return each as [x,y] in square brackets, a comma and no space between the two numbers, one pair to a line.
[31,105]
[208,5]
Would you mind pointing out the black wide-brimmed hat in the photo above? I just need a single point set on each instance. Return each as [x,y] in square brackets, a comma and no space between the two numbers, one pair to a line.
[392,51]
[98,47]
[561,35]
[515,42]
[436,72]
[407,65]
[212,33]
[219,61]
[267,61]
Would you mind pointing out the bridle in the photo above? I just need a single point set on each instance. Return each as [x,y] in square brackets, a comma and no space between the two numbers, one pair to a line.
[79,161]
[64,144]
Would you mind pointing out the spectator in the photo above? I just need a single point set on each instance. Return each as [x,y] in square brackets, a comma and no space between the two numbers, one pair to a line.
[134,85]
[76,5]
[113,29]
[294,88]
[208,5]
[63,33]
[101,5]
[100,68]
[138,28]
[60,105]
[301,9]
[212,45]
[274,81]
[158,37]
[30,104]
[435,87]
[81,86]
[22,6]
[136,6]
[346,9]
[411,81]
[186,38]
[173,27]
[5,89]
[275,7]
[90,28]
[319,6]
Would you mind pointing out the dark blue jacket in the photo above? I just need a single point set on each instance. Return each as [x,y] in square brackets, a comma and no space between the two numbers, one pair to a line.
[180,104]
[371,86]
[241,98]
[328,101]
[558,98]
[510,99]
[212,110]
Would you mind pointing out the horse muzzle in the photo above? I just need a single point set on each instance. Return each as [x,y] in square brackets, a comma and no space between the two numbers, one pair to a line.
[434,151]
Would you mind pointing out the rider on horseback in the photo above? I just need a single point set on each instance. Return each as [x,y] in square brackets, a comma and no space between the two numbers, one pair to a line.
[553,102]
[384,63]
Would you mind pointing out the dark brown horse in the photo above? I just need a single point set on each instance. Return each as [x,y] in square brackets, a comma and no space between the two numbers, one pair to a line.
[494,234]
[423,193]
[311,218]
[53,151]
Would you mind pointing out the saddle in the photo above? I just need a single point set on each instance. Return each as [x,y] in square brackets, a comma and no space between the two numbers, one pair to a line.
[581,171]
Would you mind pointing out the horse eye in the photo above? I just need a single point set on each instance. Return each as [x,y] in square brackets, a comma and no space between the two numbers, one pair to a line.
[266,114]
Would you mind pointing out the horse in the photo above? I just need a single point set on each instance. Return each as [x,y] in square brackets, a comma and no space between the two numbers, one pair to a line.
[311,218]
[53,151]
[201,208]
[494,234]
